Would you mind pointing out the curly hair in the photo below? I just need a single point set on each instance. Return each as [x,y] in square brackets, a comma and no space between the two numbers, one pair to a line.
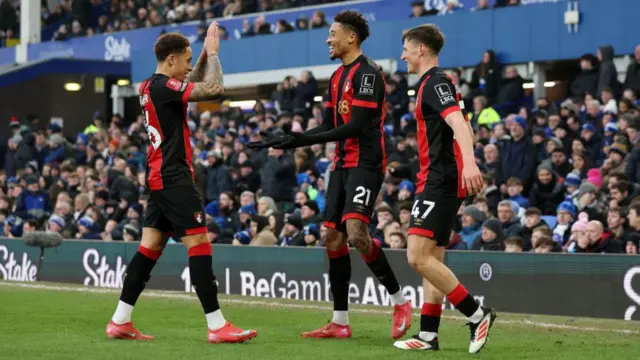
[355,22]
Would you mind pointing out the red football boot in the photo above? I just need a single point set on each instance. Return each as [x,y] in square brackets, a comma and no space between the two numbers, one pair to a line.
[230,334]
[330,331]
[125,331]
[401,320]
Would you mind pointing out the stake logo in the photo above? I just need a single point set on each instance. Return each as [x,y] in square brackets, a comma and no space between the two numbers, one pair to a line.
[11,270]
[100,272]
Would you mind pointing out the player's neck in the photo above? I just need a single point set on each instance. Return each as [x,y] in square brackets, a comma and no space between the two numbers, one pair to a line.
[427,65]
[162,71]
[350,57]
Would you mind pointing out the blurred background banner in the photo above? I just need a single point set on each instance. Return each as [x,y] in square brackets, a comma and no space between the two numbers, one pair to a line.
[604,286]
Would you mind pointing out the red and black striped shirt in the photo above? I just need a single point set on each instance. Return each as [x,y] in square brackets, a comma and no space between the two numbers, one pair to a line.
[164,106]
[356,93]
[438,151]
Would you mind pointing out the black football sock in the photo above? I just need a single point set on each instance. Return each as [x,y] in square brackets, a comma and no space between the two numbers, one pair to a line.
[202,278]
[137,274]
[465,303]
[339,277]
[430,320]
[377,262]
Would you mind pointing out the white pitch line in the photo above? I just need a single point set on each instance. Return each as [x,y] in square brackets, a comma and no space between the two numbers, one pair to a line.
[251,302]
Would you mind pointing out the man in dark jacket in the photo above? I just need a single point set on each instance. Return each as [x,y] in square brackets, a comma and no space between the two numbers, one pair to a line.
[26,151]
[278,176]
[491,237]
[632,81]
[587,80]
[517,156]
[608,77]
[292,234]
[304,93]
[33,201]
[218,177]
[511,93]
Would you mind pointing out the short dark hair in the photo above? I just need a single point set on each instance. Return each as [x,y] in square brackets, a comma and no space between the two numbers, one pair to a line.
[545,241]
[622,186]
[533,211]
[427,34]
[355,22]
[544,229]
[170,43]
[635,207]
[620,176]
[515,240]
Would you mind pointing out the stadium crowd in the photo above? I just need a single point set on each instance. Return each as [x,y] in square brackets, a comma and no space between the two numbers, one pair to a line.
[558,177]
[79,18]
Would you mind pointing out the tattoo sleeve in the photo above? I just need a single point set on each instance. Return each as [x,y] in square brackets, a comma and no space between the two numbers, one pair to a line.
[197,74]
[212,84]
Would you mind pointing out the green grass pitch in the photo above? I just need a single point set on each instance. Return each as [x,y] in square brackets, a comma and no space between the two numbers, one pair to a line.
[55,321]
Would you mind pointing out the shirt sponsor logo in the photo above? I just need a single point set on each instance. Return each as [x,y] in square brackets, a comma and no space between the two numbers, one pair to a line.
[367,84]
[444,94]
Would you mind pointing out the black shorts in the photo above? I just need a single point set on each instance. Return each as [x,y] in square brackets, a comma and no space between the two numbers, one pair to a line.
[177,210]
[351,194]
[434,213]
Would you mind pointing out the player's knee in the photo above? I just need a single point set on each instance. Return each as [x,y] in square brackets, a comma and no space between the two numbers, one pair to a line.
[418,261]
[335,240]
[359,241]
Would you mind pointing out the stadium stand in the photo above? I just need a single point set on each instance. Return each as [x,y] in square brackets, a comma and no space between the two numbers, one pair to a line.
[566,169]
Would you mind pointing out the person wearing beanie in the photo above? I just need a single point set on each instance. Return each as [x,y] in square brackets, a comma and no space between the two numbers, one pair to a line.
[491,238]
[615,162]
[405,190]
[571,184]
[592,142]
[131,232]
[244,214]
[57,149]
[632,244]
[589,201]
[85,229]
[292,234]
[547,192]
[566,213]
[312,234]
[472,219]
[56,224]
[310,213]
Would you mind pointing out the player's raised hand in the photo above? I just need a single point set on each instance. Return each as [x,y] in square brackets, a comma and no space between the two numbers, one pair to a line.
[268,140]
[472,178]
[292,141]
[212,40]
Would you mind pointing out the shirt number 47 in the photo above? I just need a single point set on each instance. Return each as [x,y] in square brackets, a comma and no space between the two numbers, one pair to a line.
[415,211]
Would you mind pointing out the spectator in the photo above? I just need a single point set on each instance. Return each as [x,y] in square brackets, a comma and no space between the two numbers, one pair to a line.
[491,238]
[601,241]
[311,213]
[33,202]
[608,77]
[616,224]
[631,245]
[318,20]
[260,232]
[511,92]
[509,219]
[450,8]
[545,245]
[587,81]
[482,5]
[486,76]
[632,79]
[418,10]
[532,221]
[397,240]
[292,234]
[513,244]
[278,177]
[472,219]
[547,192]
[517,156]
[482,113]
[514,190]
[566,213]
[218,176]
[311,234]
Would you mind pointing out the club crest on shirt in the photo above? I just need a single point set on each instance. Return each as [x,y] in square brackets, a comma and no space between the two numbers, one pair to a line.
[176,85]
[199,217]
[347,85]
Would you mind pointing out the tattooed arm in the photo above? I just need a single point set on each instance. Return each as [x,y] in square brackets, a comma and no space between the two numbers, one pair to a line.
[212,84]
[197,74]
